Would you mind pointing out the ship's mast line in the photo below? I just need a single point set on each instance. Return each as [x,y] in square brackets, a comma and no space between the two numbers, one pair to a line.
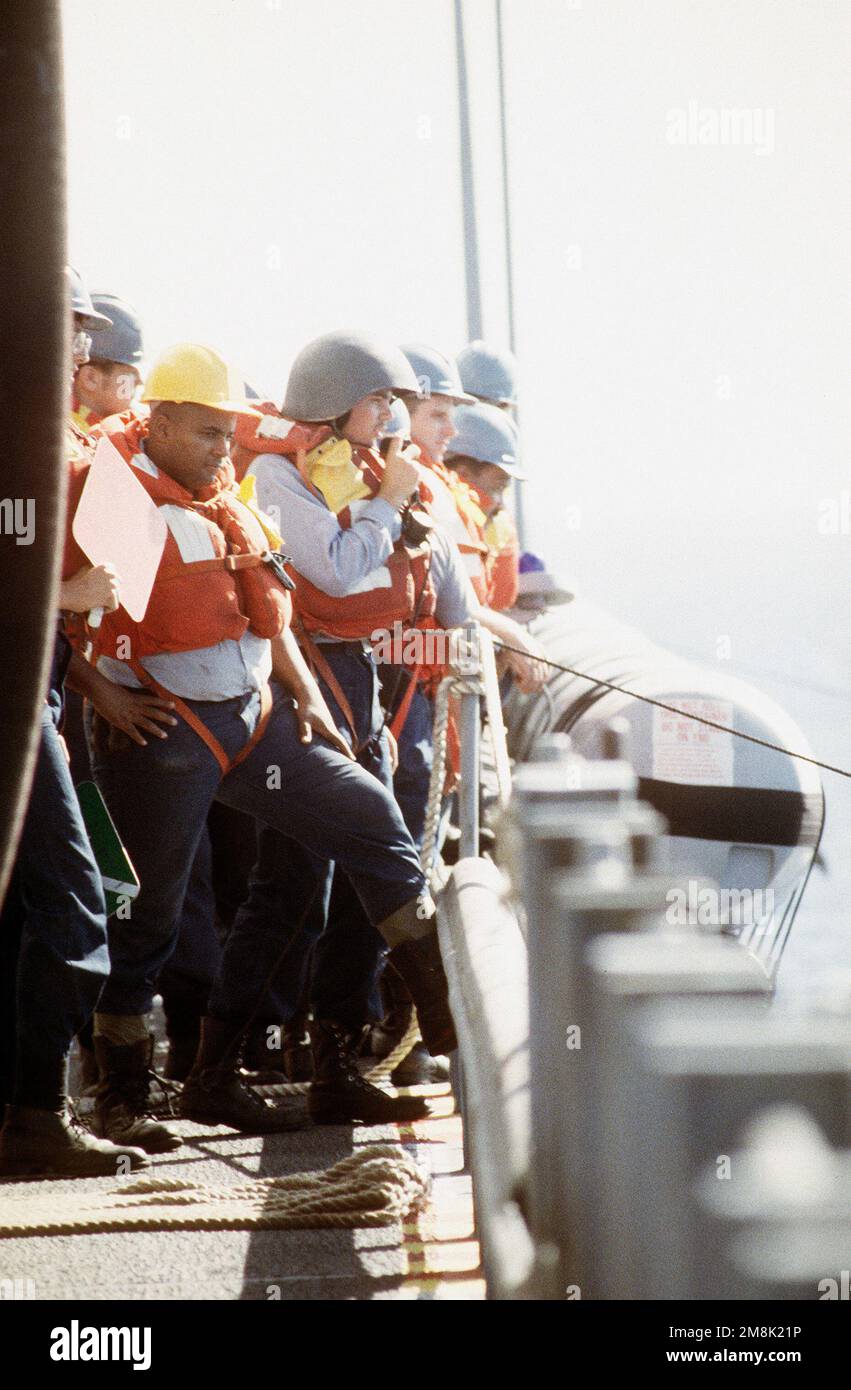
[509,255]
[468,185]
[472,275]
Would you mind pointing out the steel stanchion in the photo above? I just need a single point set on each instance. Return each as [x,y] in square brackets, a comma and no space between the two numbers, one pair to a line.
[622,973]
[782,1221]
[689,1074]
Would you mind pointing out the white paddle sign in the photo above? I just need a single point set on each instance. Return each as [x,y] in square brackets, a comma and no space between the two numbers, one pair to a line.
[116,523]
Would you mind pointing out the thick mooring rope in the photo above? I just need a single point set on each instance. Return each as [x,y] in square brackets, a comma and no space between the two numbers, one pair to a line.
[378,1186]
[428,853]
[377,1071]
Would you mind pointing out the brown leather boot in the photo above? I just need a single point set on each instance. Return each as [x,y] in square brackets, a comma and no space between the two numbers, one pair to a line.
[122,1110]
[51,1143]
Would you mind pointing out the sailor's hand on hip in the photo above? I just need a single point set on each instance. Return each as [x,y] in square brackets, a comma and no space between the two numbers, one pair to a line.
[314,717]
[133,712]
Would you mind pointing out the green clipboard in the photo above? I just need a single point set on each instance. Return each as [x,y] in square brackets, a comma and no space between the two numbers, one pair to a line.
[119,877]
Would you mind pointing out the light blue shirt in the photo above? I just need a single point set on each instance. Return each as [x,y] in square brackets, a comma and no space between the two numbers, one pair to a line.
[221,672]
[341,560]
[337,560]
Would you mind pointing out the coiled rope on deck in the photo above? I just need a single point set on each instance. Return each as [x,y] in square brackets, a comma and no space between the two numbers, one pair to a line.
[379,1186]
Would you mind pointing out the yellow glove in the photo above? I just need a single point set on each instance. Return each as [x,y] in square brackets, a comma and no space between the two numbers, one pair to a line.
[330,469]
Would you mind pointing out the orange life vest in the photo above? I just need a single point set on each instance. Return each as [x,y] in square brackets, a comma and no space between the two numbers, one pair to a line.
[403,589]
[501,536]
[468,530]
[195,602]
[271,434]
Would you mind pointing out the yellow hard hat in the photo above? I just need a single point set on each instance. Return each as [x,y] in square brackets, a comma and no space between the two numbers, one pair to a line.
[189,372]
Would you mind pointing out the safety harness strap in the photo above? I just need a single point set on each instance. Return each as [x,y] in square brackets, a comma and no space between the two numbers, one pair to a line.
[397,723]
[316,661]
[200,728]
[222,562]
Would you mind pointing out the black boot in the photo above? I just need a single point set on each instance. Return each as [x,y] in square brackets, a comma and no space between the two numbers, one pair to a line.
[416,1068]
[340,1094]
[122,1110]
[398,1012]
[183,1008]
[421,966]
[297,1049]
[51,1143]
[216,1094]
[278,1053]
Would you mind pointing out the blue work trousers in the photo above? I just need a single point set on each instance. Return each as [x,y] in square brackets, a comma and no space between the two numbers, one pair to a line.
[301,904]
[55,914]
[187,977]
[416,755]
[159,796]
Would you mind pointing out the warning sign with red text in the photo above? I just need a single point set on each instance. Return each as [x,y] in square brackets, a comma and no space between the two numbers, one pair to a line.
[685,751]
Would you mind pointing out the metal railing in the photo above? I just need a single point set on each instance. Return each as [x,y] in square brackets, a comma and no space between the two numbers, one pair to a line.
[609,1059]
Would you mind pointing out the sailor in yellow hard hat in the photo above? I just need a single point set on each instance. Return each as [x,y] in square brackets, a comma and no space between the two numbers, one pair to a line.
[253,731]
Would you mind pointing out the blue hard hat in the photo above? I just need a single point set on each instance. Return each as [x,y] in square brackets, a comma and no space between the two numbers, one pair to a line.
[485,434]
[489,374]
[81,303]
[123,341]
[437,375]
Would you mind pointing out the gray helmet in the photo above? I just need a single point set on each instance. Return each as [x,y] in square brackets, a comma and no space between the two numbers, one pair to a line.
[334,372]
[488,374]
[399,424]
[81,303]
[436,375]
[123,341]
[485,434]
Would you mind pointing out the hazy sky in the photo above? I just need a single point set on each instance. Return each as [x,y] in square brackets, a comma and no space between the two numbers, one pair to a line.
[253,173]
